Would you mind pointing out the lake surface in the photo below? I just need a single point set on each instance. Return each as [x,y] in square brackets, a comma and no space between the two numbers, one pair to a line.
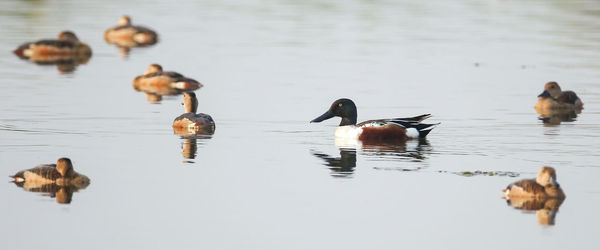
[267,179]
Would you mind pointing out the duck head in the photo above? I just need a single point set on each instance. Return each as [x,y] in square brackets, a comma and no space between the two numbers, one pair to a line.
[124,21]
[551,89]
[68,36]
[343,108]
[547,177]
[153,68]
[190,102]
[65,167]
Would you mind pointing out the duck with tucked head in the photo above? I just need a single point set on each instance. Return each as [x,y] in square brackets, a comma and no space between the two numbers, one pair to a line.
[128,35]
[553,98]
[66,50]
[190,122]
[61,173]
[383,130]
[155,79]
[542,187]
[57,180]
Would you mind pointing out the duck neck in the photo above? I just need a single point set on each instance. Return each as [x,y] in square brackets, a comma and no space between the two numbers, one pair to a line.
[191,105]
[348,121]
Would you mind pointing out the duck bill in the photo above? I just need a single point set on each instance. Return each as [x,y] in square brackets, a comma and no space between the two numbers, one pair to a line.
[323,117]
[544,94]
[554,182]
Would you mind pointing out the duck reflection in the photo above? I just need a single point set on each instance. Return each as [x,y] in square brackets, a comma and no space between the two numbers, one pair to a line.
[414,150]
[542,195]
[342,166]
[555,117]
[191,139]
[545,208]
[58,181]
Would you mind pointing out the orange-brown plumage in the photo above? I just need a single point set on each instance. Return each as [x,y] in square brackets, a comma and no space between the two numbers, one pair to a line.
[387,132]
[128,35]
[543,186]
[554,98]
[190,122]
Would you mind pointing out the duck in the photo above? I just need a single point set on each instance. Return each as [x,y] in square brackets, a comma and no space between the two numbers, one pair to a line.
[382,130]
[157,80]
[553,98]
[190,122]
[66,47]
[61,174]
[544,186]
[127,35]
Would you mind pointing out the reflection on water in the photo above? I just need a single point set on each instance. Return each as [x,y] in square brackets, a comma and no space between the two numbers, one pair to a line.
[412,150]
[555,117]
[189,145]
[406,151]
[545,208]
[62,193]
[342,166]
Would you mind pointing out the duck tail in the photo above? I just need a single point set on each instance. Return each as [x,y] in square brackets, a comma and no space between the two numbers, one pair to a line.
[20,51]
[17,178]
[413,119]
[424,129]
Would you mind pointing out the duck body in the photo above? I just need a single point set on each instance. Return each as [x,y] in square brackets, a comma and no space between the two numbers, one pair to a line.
[128,35]
[544,186]
[553,98]
[384,130]
[163,81]
[67,47]
[191,122]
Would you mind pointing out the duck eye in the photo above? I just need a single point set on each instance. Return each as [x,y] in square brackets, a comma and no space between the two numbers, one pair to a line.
[340,104]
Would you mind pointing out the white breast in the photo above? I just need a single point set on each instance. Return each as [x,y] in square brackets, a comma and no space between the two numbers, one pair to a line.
[350,132]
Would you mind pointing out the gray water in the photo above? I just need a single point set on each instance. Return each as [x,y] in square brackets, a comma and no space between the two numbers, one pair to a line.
[268,179]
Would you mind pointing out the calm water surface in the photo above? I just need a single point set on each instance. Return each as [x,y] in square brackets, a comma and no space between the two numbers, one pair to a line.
[268,179]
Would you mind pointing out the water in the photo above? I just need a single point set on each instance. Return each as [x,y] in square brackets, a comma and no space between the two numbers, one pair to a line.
[268,179]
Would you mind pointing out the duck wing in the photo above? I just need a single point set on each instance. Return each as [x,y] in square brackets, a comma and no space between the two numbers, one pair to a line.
[568,97]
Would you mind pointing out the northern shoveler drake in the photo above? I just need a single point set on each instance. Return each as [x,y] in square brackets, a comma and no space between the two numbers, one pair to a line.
[544,186]
[61,174]
[127,35]
[395,129]
[190,122]
[67,45]
[156,78]
[554,98]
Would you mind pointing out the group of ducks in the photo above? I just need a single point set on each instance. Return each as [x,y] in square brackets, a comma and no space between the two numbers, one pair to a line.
[60,180]
[68,48]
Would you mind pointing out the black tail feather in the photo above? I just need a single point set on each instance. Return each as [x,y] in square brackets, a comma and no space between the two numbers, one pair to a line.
[412,119]
[424,129]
